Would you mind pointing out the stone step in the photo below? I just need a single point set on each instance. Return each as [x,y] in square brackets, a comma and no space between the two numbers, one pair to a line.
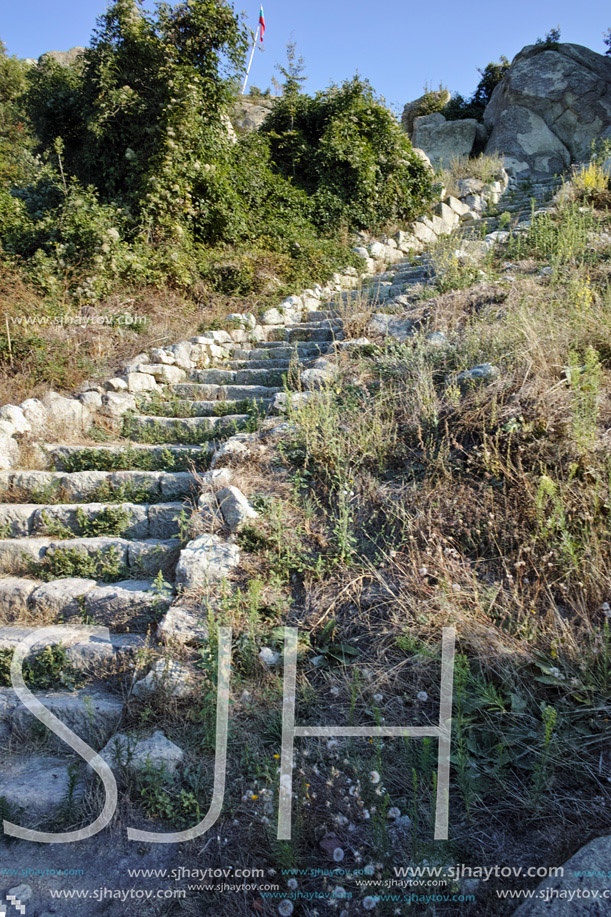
[37,788]
[121,604]
[221,393]
[103,558]
[82,486]
[119,457]
[184,409]
[83,652]
[273,371]
[313,333]
[284,352]
[267,377]
[129,520]
[94,715]
[184,429]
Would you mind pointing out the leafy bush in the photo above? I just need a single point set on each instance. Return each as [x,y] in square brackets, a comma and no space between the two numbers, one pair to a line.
[346,150]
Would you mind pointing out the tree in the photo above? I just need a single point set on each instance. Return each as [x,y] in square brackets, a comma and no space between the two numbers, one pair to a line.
[607,41]
[143,112]
[290,144]
[15,137]
[354,161]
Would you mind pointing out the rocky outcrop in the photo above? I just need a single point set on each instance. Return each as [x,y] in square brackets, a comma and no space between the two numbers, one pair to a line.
[443,140]
[65,58]
[250,113]
[414,109]
[551,106]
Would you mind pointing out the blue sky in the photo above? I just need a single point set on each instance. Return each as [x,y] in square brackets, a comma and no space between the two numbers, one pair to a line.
[399,45]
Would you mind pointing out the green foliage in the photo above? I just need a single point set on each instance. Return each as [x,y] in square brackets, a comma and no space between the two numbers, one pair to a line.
[104,564]
[458,107]
[550,42]
[347,152]
[15,138]
[46,669]
[607,41]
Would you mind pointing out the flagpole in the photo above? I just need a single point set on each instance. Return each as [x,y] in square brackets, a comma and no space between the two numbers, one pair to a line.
[254,47]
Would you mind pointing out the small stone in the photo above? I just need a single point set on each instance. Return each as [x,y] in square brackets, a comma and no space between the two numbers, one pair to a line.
[167,677]
[206,559]
[137,755]
[22,892]
[235,508]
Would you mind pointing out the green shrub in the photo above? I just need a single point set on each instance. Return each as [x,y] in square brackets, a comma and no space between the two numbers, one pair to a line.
[346,150]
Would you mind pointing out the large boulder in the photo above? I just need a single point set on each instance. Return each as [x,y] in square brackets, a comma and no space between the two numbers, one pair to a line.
[550,107]
[581,891]
[443,140]
[250,113]
[414,109]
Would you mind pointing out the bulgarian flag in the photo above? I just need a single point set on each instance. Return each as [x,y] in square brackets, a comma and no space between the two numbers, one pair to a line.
[262,23]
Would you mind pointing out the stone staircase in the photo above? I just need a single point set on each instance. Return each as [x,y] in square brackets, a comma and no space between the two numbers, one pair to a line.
[99,535]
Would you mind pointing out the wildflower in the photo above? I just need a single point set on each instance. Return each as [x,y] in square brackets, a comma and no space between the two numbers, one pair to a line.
[293,884]
[555,673]
[339,892]
[378,698]
[332,744]
[394,812]
[334,691]
[422,696]
[374,777]
[338,854]
[369,869]
[423,571]
[285,909]
[369,903]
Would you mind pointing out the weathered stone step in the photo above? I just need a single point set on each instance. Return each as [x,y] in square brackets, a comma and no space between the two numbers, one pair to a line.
[94,715]
[129,520]
[273,371]
[119,457]
[103,558]
[268,377]
[82,486]
[82,651]
[313,333]
[218,393]
[118,604]
[184,408]
[184,429]
[36,787]
[283,352]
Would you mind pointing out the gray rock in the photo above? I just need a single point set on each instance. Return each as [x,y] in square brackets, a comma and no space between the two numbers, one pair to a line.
[184,626]
[205,560]
[21,892]
[65,596]
[38,785]
[553,896]
[36,415]
[123,601]
[67,416]
[412,109]
[166,677]
[162,372]
[141,382]
[551,106]
[137,755]
[235,508]
[16,417]
[93,715]
[443,140]
[14,594]
[9,452]
[394,326]
[484,372]
[320,374]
